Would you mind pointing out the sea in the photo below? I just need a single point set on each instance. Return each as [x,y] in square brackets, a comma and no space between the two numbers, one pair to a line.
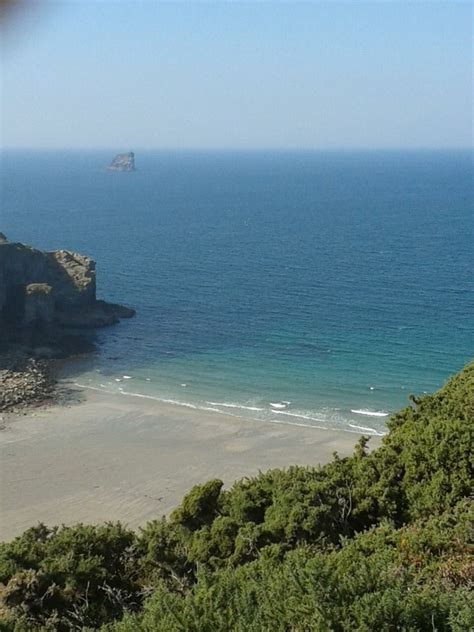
[308,288]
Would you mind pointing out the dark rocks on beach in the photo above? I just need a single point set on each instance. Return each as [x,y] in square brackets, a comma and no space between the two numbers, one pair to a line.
[123,162]
[24,381]
[46,298]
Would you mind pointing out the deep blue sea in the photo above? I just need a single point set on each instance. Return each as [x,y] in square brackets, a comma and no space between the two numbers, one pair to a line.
[308,288]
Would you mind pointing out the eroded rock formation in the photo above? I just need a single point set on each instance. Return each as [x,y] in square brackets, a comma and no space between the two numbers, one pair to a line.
[46,299]
[51,288]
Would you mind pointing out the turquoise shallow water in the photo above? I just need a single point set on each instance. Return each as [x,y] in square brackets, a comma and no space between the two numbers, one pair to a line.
[313,288]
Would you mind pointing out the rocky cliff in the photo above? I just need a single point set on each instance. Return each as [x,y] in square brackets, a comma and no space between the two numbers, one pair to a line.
[51,288]
[46,300]
[123,162]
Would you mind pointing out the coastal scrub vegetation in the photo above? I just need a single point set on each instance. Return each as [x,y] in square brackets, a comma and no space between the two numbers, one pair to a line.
[380,540]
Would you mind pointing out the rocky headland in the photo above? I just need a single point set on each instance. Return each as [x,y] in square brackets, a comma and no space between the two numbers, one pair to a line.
[48,309]
[123,162]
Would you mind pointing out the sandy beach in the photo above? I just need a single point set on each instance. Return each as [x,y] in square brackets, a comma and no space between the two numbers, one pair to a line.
[115,457]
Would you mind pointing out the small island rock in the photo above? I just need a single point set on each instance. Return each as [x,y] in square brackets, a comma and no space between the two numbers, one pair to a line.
[123,162]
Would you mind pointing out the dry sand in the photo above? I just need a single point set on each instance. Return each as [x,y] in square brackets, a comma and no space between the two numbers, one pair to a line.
[115,457]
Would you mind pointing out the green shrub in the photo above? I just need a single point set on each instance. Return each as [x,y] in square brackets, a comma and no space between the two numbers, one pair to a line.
[70,575]
[414,578]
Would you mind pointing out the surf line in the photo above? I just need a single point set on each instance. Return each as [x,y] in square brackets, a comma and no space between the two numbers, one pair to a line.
[174,402]
[370,413]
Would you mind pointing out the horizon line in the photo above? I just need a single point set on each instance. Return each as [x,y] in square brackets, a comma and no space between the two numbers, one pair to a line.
[240,149]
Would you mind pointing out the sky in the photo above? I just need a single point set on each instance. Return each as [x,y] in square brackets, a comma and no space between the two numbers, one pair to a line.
[237,75]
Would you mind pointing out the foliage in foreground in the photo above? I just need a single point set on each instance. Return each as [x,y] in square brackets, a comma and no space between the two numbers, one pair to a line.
[377,541]
[414,578]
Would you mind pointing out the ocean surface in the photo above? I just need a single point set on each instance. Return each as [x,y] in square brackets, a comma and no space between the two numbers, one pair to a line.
[306,288]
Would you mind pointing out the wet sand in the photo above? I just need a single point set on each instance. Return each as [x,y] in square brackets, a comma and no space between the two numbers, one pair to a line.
[116,457]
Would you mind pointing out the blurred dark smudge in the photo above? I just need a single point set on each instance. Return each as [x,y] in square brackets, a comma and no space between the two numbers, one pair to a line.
[19,19]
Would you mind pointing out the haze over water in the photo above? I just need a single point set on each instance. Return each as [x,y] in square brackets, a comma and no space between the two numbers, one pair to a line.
[294,287]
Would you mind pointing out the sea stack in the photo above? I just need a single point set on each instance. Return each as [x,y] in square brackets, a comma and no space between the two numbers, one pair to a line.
[123,162]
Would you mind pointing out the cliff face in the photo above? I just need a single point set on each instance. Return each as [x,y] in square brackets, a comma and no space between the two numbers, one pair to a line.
[123,162]
[46,299]
[70,276]
[50,288]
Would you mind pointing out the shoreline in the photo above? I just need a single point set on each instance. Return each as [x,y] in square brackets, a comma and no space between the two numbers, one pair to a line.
[225,409]
[114,457]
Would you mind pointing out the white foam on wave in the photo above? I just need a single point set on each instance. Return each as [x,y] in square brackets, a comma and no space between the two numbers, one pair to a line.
[229,405]
[175,402]
[370,413]
[278,405]
[212,408]
[156,399]
[372,430]
[127,377]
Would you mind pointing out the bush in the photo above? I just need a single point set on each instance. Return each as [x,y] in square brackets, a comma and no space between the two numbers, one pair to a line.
[413,578]
[69,576]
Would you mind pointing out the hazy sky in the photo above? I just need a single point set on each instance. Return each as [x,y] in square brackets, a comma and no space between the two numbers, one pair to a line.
[131,75]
